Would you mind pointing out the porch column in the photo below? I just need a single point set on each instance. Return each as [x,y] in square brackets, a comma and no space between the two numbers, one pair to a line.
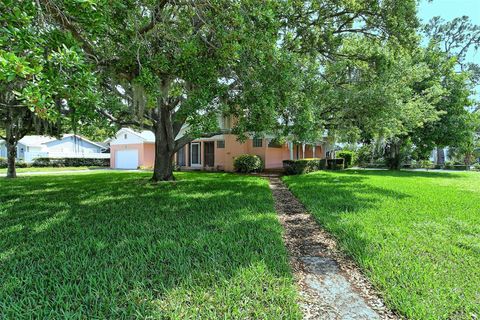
[303,150]
[313,150]
[290,146]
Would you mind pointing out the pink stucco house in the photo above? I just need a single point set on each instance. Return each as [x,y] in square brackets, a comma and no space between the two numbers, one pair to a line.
[131,149]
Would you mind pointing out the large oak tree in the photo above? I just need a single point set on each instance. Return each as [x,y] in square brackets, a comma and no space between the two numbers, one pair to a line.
[177,63]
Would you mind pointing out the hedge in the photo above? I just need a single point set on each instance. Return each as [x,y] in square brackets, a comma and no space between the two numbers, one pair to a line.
[300,166]
[309,165]
[3,163]
[70,162]
[349,157]
[336,164]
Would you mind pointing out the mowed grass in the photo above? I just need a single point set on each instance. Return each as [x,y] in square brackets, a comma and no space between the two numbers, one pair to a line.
[48,169]
[416,234]
[113,246]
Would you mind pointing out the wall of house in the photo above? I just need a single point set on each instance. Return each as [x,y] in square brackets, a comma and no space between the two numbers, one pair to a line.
[148,155]
[117,147]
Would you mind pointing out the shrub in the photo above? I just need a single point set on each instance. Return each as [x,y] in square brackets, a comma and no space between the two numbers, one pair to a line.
[476,167]
[336,164]
[70,162]
[425,164]
[301,166]
[21,164]
[448,165]
[3,163]
[349,157]
[247,163]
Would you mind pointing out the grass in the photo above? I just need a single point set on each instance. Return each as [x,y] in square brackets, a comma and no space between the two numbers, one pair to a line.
[112,246]
[415,234]
[48,169]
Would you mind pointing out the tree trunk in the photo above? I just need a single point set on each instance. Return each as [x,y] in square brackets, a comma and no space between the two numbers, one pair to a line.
[164,144]
[394,155]
[440,156]
[11,155]
[163,168]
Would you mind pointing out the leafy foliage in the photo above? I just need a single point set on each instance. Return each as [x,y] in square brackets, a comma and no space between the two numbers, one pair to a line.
[348,156]
[247,163]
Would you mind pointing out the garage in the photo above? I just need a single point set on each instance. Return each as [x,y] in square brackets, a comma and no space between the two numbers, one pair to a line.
[126,159]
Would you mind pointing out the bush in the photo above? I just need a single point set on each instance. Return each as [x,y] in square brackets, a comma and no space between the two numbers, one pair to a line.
[348,156]
[247,163]
[425,164]
[3,163]
[301,166]
[70,162]
[476,167]
[21,164]
[448,165]
[336,164]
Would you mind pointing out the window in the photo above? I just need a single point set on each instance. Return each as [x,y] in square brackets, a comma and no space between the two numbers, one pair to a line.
[257,142]
[221,144]
[125,136]
[181,161]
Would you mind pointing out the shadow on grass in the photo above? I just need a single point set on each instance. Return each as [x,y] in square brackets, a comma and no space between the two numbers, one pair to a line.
[111,245]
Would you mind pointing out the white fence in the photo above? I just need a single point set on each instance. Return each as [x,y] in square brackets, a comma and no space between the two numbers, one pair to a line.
[30,156]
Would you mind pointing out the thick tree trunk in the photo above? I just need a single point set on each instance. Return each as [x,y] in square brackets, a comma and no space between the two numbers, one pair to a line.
[163,168]
[11,155]
[164,141]
[394,155]
[440,156]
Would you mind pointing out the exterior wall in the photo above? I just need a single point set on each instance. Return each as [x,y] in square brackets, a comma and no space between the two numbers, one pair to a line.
[272,157]
[139,147]
[148,155]
[3,150]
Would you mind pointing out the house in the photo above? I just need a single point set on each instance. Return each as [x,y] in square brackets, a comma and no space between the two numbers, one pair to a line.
[131,149]
[68,146]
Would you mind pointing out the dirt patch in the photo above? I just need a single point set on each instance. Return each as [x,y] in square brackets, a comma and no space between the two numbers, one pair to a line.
[331,285]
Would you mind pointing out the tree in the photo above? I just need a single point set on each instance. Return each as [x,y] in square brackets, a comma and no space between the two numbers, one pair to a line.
[456,38]
[40,78]
[178,63]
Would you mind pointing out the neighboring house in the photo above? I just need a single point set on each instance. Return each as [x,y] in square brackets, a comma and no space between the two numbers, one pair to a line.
[131,149]
[69,146]
[434,156]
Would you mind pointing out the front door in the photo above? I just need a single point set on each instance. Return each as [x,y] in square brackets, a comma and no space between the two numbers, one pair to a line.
[209,153]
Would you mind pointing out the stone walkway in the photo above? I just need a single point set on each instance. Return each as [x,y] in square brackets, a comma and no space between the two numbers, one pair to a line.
[331,286]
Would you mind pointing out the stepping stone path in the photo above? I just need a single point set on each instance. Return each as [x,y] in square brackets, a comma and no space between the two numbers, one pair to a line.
[330,284]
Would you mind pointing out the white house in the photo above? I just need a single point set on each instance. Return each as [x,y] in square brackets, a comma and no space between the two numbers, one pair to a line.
[69,146]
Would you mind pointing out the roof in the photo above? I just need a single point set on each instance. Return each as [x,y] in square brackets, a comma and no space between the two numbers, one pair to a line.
[39,141]
[98,144]
[35,141]
[146,135]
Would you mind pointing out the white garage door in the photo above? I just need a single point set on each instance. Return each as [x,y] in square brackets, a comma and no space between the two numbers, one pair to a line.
[126,159]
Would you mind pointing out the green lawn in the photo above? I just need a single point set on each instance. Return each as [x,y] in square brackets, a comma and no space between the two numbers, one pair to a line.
[416,234]
[48,169]
[111,245]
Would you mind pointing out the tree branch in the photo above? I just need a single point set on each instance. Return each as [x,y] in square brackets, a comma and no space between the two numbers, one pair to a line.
[67,23]
[155,16]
